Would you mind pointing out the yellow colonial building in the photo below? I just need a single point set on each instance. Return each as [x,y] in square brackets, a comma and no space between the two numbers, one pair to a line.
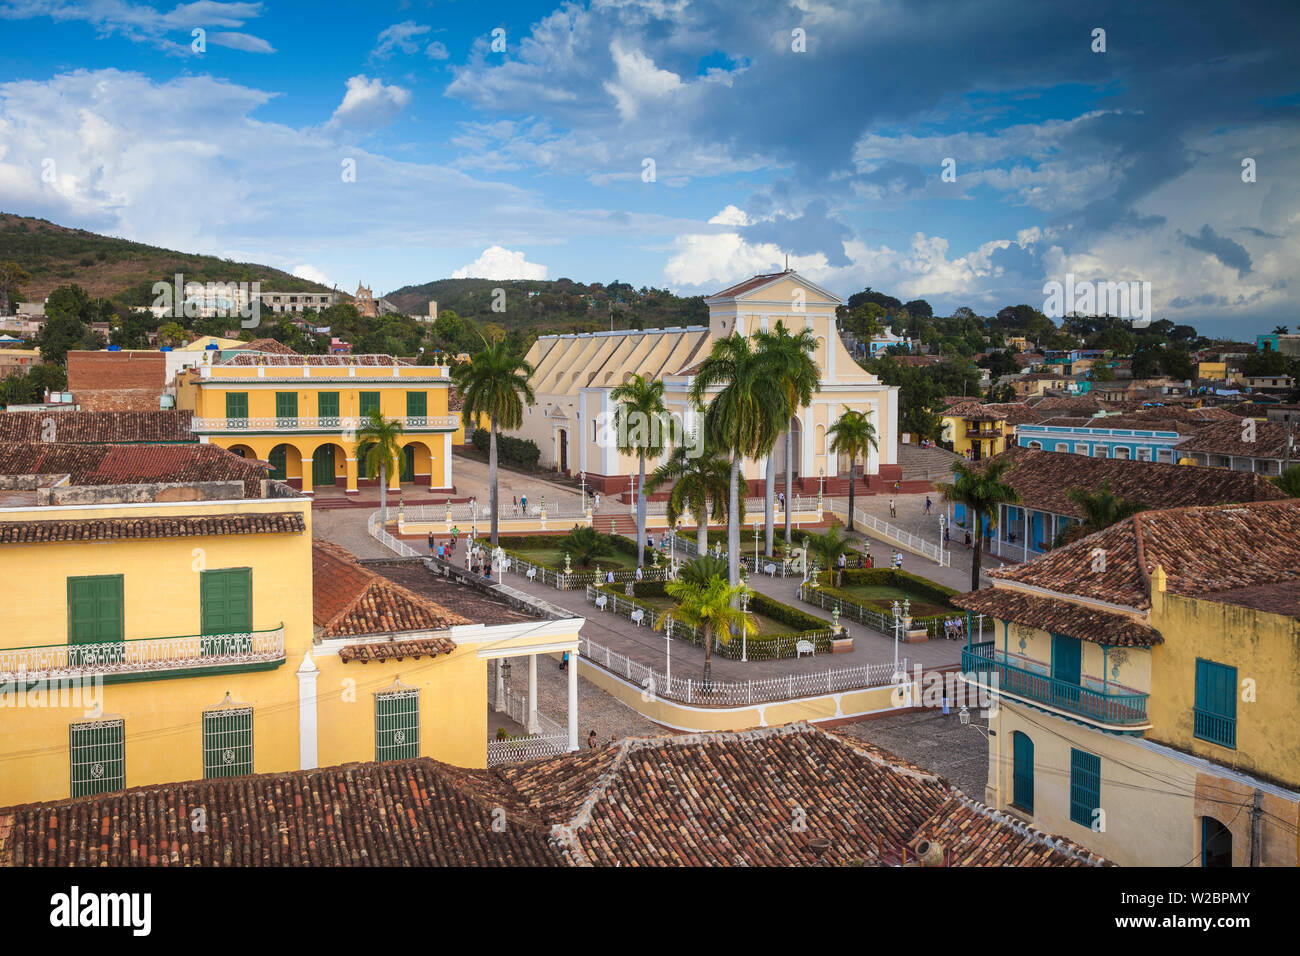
[169,618]
[574,376]
[302,413]
[1144,685]
[973,430]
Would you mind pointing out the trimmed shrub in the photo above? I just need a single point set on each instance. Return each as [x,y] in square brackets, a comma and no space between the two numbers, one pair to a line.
[515,451]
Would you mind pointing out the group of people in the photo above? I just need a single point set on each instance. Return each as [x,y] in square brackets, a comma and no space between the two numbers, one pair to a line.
[954,628]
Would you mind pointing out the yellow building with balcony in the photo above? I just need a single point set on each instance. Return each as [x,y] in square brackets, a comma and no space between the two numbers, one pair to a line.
[1144,683]
[973,430]
[168,618]
[303,413]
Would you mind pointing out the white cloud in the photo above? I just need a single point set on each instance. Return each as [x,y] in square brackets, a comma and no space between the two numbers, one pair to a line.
[436,51]
[639,82]
[312,274]
[368,104]
[398,37]
[731,216]
[144,24]
[241,41]
[500,263]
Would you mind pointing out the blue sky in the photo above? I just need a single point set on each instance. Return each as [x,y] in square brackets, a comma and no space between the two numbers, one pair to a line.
[827,145]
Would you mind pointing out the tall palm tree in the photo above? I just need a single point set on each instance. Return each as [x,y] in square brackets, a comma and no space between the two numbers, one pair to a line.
[697,480]
[743,417]
[981,490]
[1101,509]
[793,368]
[852,435]
[640,421]
[494,383]
[711,604]
[378,437]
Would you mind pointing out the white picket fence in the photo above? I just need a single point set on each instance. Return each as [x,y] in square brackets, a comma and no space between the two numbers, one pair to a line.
[574,580]
[731,693]
[480,511]
[552,738]
[380,534]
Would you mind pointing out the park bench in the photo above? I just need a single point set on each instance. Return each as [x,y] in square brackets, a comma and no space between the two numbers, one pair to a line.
[638,616]
[601,601]
[532,574]
[804,647]
[770,569]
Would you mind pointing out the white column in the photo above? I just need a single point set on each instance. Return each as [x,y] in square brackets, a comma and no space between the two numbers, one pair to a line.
[532,727]
[573,699]
[1000,530]
[307,674]
[501,686]
[1028,529]
[446,461]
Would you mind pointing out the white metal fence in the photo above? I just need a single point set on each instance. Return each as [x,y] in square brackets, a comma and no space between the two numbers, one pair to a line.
[575,580]
[870,617]
[892,533]
[692,690]
[552,738]
[378,532]
[472,511]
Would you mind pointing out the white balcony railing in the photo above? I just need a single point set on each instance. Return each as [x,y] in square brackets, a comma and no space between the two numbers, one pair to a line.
[302,423]
[196,652]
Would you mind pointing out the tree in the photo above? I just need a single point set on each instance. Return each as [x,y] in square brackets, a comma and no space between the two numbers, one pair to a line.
[712,605]
[172,333]
[790,356]
[379,437]
[852,436]
[743,418]
[827,549]
[1100,371]
[12,279]
[640,423]
[1289,481]
[1277,329]
[586,544]
[1101,509]
[491,384]
[981,490]
[697,480]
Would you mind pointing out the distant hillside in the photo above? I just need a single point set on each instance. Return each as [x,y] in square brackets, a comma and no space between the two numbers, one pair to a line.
[559,304]
[118,269]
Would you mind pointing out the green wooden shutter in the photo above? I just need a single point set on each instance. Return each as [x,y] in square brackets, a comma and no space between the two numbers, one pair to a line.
[95,616]
[1085,786]
[397,725]
[226,608]
[286,407]
[97,757]
[417,405]
[1022,790]
[279,462]
[227,742]
[327,405]
[237,408]
[369,402]
[1214,715]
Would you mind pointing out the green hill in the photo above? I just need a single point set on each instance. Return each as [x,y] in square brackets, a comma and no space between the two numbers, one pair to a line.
[119,269]
[555,305]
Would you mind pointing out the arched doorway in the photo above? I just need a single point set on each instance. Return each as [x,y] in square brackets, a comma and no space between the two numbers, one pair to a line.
[563,437]
[417,462]
[326,462]
[286,462]
[1216,843]
[243,451]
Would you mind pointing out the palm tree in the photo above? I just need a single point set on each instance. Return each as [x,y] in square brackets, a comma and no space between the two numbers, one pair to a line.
[827,548]
[586,544]
[743,418]
[852,435]
[491,384]
[703,569]
[696,480]
[793,368]
[1101,508]
[378,436]
[1281,329]
[639,420]
[705,600]
[981,490]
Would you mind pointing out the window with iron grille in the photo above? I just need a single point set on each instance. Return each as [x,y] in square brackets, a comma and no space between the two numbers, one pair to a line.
[397,725]
[227,742]
[97,751]
[1085,786]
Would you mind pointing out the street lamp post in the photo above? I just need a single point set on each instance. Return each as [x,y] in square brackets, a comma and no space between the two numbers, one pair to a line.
[668,652]
[744,633]
[756,546]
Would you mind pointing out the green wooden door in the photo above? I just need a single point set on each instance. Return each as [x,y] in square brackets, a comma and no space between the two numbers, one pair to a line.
[237,409]
[279,470]
[1067,668]
[286,409]
[322,466]
[408,464]
[1022,790]
[226,602]
[95,616]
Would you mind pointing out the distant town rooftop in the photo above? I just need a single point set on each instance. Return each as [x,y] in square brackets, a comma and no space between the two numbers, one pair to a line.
[81,427]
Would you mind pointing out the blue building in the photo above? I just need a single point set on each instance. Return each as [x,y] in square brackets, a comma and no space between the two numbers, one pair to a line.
[1070,436]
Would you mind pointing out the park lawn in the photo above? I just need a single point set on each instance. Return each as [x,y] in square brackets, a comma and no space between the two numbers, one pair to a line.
[881,596]
[767,627]
[554,558]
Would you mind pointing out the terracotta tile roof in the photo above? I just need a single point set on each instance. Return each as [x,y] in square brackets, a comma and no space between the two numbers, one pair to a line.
[1125,421]
[1225,438]
[1043,480]
[919,360]
[109,464]
[468,601]
[1014,413]
[1203,551]
[404,813]
[706,799]
[723,799]
[92,427]
[1276,597]
[269,346]
[973,410]
[1059,617]
[397,650]
[350,601]
[186,526]
[1069,404]
[293,360]
[748,285]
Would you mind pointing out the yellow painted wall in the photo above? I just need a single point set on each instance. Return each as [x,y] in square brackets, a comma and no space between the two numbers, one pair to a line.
[954,430]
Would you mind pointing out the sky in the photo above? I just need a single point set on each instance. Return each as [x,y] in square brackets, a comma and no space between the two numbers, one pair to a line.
[965,152]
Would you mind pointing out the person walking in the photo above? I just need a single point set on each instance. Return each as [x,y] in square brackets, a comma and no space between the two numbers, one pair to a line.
[591,740]
[893,511]
[523,502]
[430,542]
[928,503]
[597,508]
[967,540]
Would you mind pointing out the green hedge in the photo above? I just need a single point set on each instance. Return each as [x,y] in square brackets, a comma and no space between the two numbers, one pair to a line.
[523,542]
[516,451]
[904,581]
